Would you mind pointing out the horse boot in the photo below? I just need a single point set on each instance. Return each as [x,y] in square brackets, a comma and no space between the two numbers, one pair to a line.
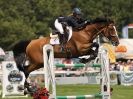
[28,88]
[83,60]
[93,55]
[94,52]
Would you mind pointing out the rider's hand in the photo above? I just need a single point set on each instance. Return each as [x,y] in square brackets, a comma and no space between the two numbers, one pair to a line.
[87,22]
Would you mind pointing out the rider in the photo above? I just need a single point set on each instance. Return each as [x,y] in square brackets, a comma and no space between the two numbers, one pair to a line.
[75,21]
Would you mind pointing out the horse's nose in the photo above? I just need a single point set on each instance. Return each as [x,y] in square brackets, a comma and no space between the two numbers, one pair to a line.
[117,43]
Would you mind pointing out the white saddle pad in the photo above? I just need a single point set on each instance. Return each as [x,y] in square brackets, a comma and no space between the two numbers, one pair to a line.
[55,39]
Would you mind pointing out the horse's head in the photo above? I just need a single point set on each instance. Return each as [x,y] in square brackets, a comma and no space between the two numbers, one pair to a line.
[109,31]
[107,28]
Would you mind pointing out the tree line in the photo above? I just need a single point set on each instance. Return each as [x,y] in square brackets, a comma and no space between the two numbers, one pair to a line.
[26,19]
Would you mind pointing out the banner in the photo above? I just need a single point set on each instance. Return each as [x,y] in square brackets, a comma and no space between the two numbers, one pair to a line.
[128,43]
[127,78]
[13,80]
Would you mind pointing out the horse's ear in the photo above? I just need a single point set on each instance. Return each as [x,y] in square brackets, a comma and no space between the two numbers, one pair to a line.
[109,20]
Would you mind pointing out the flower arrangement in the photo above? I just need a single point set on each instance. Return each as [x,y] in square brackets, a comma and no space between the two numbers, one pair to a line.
[41,93]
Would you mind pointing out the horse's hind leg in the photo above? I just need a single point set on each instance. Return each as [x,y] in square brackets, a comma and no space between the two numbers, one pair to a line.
[28,70]
[26,84]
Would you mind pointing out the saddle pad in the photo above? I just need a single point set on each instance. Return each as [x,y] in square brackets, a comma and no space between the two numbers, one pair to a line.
[55,39]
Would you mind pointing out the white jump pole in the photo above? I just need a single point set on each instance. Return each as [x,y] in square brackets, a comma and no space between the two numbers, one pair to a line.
[48,58]
[105,80]
[48,55]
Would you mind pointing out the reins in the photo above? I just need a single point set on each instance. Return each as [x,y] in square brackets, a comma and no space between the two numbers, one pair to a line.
[99,30]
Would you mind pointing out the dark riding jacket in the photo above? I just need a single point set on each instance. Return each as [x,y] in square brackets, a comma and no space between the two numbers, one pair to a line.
[73,22]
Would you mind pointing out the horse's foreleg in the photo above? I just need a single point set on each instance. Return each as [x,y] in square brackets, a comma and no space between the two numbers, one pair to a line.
[94,49]
[92,53]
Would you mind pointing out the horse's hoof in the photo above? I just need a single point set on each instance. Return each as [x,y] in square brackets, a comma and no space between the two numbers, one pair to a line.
[111,89]
[25,92]
[62,50]
[83,60]
[92,57]
[27,85]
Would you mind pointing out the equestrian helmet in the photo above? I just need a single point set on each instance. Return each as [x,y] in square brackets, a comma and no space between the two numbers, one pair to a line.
[77,11]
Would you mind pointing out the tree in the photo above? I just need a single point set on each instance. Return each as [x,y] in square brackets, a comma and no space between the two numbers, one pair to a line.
[24,19]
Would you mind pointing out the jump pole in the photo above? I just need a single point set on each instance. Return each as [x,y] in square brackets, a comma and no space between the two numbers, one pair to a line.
[48,55]
[105,77]
[48,58]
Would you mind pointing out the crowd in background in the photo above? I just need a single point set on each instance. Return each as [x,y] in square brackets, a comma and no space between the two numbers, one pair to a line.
[124,66]
[121,65]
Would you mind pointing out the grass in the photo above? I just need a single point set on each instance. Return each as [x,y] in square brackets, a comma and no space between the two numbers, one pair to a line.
[119,92]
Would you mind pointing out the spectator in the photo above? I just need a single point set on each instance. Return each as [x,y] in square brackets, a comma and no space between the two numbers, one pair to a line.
[126,67]
[116,67]
[112,66]
[120,66]
[131,66]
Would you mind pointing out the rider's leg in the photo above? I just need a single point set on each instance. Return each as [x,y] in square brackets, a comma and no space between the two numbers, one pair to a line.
[59,27]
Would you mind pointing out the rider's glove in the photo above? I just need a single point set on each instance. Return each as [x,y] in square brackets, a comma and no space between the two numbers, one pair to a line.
[87,22]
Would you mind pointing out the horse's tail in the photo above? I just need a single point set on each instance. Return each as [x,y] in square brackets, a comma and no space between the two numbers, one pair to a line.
[19,51]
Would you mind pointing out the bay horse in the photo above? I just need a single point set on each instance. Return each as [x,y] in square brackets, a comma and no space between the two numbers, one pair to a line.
[79,45]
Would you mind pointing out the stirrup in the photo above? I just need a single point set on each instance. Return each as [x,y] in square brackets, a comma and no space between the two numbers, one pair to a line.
[62,48]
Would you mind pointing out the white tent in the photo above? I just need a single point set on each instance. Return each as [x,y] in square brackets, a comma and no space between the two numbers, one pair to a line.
[128,43]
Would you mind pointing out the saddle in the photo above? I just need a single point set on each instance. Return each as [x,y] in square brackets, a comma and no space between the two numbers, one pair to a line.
[62,38]
[58,38]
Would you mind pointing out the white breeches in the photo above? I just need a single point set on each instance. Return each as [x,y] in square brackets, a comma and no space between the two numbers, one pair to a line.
[58,26]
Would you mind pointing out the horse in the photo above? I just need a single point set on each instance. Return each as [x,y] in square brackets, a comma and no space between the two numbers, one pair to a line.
[79,45]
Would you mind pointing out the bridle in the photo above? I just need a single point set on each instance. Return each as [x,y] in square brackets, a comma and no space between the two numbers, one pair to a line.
[105,28]
[109,31]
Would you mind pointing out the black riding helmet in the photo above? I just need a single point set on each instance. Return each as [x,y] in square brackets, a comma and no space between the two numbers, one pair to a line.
[77,12]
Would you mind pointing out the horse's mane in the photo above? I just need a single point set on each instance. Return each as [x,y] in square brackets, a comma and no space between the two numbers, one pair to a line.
[102,20]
